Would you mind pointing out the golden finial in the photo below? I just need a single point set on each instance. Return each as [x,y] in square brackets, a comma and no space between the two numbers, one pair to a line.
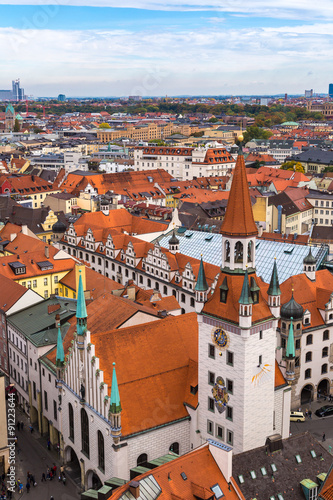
[241,138]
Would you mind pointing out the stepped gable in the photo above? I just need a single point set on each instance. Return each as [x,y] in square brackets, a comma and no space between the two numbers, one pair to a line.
[238,220]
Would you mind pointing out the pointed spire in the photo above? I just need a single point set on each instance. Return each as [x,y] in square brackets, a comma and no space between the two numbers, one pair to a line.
[81,310]
[60,356]
[115,406]
[274,287]
[201,285]
[238,220]
[290,350]
[174,240]
[245,297]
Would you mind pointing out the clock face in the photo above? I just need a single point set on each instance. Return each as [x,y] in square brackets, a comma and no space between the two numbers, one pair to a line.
[220,338]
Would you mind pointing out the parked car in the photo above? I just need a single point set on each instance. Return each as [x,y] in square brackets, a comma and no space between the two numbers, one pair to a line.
[297,416]
[324,411]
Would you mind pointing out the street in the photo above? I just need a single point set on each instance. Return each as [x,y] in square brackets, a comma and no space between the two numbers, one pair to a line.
[316,425]
[32,455]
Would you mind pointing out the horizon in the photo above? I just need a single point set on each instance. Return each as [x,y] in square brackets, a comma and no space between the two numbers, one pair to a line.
[75,47]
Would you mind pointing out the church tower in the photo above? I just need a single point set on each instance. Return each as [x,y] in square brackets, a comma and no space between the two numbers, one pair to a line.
[237,337]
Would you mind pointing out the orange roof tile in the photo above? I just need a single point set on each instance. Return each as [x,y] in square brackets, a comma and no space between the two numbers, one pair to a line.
[238,220]
[279,378]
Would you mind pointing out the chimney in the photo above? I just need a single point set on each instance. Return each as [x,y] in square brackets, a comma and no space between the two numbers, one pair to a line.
[52,308]
[156,296]
[134,488]
[24,229]
[57,319]
[47,252]
[12,236]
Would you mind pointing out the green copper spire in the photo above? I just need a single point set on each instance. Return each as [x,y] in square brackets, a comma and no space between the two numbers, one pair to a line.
[60,356]
[81,310]
[290,350]
[245,297]
[274,287]
[115,406]
[201,285]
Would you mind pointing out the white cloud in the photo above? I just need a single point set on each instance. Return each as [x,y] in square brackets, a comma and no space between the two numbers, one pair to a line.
[122,62]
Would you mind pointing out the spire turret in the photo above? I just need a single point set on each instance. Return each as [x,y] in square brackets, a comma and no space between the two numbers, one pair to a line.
[60,356]
[309,266]
[274,292]
[201,288]
[290,354]
[115,408]
[81,310]
[173,243]
[245,304]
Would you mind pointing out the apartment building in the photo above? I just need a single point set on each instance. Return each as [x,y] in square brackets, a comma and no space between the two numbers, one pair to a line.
[184,163]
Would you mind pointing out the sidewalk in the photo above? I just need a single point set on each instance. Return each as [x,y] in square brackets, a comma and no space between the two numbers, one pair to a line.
[320,425]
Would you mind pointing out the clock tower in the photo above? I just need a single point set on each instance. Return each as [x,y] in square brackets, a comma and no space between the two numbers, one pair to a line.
[237,338]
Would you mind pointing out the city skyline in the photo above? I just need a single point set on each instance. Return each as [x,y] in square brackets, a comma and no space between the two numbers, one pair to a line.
[154,49]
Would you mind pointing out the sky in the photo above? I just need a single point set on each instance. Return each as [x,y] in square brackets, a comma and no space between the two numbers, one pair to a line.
[166,47]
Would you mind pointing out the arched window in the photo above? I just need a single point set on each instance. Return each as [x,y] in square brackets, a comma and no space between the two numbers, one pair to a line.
[84,432]
[71,421]
[250,251]
[330,316]
[308,356]
[174,293]
[227,251]
[326,335]
[149,282]
[101,457]
[192,302]
[165,290]
[142,460]
[324,352]
[283,325]
[174,448]
[307,373]
[298,326]
[309,339]
[324,368]
[239,252]
[306,321]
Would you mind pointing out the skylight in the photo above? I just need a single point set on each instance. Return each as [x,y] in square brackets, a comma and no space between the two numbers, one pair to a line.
[241,479]
[280,497]
[263,471]
[184,476]
[298,459]
[217,491]
[273,467]
[313,454]
[253,474]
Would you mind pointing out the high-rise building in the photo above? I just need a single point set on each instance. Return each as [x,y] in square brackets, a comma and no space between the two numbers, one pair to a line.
[330,90]
[62,97]
[17,91]
[309,94]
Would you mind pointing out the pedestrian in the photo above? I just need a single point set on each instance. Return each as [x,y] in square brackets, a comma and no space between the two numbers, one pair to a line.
[324,437]
[22,424]
[31,428]
[32,479]
[28,486]
[310,414]
[306,412]
[48,444]
[51,475]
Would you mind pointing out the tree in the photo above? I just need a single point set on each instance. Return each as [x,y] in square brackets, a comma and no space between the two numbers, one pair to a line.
[254,132]
[158,142]
[328,169]
[104,125]
[213,120]
[296,166]
[16,126]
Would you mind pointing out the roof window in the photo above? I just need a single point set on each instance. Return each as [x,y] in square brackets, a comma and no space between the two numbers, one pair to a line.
[273,467]
[313,454]
[241,479]
[263,471]
[253,474]
[217,491]
[184,476]
[298,459]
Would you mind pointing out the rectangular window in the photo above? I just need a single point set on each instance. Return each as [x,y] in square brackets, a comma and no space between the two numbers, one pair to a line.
[34,389]
[55,411]
[211,406]
[46,294]
[229,413]
[219,432]
[211,351]
[230,386]
[34,283]
[230,437]
[45,401]
[56,279]
[211,378]
[210,427]
[230,358]
[45,281]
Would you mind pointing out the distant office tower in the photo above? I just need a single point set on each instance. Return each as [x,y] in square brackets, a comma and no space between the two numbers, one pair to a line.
[308,94]
[286,97]
[18,92]
[61,97]
[330,91]
[5,95]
